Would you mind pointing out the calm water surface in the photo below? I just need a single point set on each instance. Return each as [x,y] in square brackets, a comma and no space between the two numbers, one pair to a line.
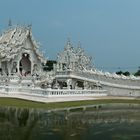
[105,122]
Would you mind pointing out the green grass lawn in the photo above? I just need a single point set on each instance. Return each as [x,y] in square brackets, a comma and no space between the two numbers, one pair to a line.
[30,104]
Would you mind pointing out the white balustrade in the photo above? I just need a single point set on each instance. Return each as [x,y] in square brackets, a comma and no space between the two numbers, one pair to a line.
[92,76]
[50,92]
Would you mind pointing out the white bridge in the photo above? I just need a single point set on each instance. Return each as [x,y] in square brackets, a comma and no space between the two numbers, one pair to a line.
[112,83]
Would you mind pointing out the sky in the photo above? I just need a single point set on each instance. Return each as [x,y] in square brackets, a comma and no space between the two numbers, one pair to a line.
[109,30]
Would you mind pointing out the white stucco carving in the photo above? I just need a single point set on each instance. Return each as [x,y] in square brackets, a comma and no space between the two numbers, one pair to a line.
[73,59]
[16,44]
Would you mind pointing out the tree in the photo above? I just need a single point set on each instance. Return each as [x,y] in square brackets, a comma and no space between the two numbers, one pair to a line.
[119,72]
[126,73]
[49,65]
[138,72]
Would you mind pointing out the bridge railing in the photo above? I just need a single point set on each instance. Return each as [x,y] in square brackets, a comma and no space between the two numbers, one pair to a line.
[77,93]
[50,92]
[92,76]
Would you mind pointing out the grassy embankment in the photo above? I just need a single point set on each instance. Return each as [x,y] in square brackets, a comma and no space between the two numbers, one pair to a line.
[31,104]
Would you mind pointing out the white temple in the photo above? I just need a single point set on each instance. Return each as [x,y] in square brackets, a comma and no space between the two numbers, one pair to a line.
[21,70]
[19,52]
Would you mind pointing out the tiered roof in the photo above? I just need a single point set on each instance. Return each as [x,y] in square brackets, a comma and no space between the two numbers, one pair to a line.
[11,42]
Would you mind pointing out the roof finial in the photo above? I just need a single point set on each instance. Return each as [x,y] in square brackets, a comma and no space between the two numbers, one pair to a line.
[68,41]
[10,23]
[79,44]
[68,45]
[30,26]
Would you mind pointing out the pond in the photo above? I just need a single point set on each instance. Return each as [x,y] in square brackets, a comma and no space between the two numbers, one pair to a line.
[102,122]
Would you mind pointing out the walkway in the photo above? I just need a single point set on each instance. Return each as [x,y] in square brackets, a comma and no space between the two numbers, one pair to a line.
[45,99]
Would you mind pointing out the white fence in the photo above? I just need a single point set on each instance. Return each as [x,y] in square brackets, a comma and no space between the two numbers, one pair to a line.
[50,92]
[56,93]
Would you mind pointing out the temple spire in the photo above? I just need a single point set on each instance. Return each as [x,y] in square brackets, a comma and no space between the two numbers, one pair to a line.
[68,45]
[68,42]
[79,44]
[10,23]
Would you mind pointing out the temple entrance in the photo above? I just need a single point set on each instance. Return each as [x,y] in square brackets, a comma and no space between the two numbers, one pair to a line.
[25,65]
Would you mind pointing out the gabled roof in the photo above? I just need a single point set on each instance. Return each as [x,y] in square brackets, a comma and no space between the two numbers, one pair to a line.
[11,42]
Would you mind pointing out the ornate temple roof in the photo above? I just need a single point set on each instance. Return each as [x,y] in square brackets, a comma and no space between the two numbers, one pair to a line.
[74,55]
[11,42]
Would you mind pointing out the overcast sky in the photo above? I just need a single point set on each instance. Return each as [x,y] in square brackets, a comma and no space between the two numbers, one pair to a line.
[109,30]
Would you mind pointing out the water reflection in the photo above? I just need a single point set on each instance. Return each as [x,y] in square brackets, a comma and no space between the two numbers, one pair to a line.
[107,122]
